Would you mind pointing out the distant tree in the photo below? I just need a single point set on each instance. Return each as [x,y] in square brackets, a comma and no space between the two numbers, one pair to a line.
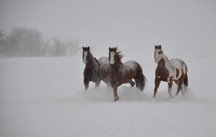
[73,46]
[58,48]
[3,44]
[24,42]
[45,48]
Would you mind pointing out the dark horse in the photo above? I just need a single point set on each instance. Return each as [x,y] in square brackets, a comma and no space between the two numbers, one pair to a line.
[124,72]
[169,71]
[95,70]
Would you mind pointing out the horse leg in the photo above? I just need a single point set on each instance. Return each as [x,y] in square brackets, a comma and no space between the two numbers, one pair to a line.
[115,86]
[183,89]
[97,83]
[170,82]
[157,83]
[86,83]
[132,83]
[116,97]
[107,81]
[137,82]
[179,87]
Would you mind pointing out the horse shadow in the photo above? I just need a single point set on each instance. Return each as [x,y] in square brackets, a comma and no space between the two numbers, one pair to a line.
[99,94]
[162,95]
[104,94]
[130,94]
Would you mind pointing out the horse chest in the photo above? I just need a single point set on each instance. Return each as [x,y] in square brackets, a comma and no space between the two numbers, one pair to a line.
[91,73]
[162,73]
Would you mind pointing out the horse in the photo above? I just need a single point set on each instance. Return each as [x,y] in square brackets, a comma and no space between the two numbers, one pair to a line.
[121,73]
[95,70]
[169,71]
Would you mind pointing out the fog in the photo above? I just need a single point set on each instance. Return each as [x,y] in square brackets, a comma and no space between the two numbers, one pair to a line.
[135,26]
[46,96]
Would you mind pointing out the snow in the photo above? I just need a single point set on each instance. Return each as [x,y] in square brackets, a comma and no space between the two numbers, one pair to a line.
[46,97]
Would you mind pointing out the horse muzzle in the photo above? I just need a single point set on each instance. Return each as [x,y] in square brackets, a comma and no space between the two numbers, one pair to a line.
[112,61]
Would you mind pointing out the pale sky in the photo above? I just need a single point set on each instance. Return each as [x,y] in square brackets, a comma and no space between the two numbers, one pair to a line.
[129,23]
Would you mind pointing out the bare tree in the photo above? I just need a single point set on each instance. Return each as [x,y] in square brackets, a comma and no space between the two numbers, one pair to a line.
[45,48]
[24,42]
[59,47]
[73,46]
[3,44]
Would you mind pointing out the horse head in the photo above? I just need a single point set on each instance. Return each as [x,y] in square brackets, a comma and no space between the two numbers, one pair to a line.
[158,53]
[114,55]
[86,53]
[112,52]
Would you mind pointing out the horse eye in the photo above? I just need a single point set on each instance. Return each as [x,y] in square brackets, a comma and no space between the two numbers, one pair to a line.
[159,52]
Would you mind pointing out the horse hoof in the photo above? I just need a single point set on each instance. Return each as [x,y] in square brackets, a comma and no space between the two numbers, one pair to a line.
[116,99]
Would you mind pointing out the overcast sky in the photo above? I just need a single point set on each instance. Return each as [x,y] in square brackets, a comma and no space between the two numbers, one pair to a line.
[129,23]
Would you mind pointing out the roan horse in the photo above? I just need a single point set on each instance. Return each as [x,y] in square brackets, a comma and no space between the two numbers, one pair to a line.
[169,71]
[124,72]
[95,70]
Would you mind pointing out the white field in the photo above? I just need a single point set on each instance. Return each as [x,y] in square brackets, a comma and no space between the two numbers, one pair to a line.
[45,97]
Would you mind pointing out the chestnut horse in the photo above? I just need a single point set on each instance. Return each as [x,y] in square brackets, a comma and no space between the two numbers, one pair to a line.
[95,70]
[169,71]
[124,72]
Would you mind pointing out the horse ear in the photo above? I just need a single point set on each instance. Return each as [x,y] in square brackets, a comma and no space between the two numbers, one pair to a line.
[115,48]
[157,46]
[83,48]
[88,48]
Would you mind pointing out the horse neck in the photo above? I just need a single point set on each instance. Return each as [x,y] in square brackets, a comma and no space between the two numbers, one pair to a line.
[92,61]
[166,62]
[115,67]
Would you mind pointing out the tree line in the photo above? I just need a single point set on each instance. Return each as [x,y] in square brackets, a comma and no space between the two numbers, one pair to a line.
[23,42]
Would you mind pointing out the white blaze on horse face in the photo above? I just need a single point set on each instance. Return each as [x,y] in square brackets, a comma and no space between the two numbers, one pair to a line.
[112,60]
[84,57]
[157,55]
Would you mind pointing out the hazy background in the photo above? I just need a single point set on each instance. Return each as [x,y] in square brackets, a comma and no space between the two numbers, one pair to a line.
[187,26]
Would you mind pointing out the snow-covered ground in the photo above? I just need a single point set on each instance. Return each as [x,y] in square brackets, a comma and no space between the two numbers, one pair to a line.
[45,97]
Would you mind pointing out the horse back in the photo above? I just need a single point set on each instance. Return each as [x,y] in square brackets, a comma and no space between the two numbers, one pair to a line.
[104,67]
[177,63]
[131,68]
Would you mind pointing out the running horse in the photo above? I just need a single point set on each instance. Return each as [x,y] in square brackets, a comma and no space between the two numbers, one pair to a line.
[95,70]
[121,73]
[169,71]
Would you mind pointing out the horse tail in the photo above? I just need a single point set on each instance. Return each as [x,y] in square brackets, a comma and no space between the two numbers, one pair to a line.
[186,80]
[142,83]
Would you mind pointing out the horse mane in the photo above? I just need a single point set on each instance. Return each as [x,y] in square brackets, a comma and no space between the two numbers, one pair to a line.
[118,53]
[92,58]
[96,61]
[160,48]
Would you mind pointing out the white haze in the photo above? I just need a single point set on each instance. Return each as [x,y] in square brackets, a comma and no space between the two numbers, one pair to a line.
[182,25]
